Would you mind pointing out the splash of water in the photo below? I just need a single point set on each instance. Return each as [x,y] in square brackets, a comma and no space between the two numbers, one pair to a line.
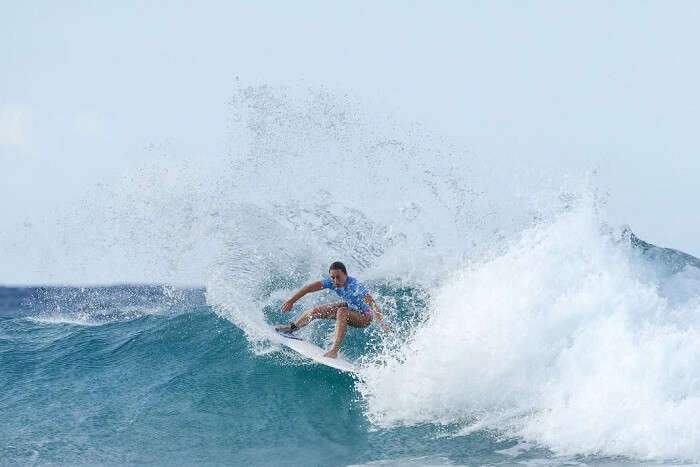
[542,323]
[568,338]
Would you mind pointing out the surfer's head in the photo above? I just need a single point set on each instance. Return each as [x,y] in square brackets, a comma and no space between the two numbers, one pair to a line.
[338,274]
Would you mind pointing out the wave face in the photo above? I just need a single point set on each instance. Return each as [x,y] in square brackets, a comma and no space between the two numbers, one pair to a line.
[176,386]
[573,345]
[527,326]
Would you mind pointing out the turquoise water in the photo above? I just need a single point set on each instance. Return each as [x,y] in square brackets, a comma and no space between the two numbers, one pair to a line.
[181,385]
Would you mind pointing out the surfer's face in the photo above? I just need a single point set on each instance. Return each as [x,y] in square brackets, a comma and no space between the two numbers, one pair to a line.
[338,278]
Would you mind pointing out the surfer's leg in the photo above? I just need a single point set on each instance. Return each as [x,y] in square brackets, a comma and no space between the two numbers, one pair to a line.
[359,320]
[343,317]
[327,311]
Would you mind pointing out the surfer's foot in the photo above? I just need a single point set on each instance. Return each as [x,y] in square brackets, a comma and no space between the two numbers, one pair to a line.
[333,353]
[288,328]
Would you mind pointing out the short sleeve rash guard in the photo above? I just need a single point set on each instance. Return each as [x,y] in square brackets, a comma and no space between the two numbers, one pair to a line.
[353,292]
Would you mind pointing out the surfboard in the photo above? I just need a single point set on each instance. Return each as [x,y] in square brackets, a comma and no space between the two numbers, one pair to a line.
[313,352]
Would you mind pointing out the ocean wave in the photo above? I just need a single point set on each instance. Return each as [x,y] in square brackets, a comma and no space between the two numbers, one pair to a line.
[566,339]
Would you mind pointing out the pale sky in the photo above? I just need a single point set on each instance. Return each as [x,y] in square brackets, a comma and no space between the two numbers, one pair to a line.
[88,89]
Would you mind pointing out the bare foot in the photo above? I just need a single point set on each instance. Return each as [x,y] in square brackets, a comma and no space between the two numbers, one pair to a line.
[331,353]
[284,328]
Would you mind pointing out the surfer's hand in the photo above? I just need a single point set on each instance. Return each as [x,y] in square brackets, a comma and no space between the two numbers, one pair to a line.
[287,306]
[384,327]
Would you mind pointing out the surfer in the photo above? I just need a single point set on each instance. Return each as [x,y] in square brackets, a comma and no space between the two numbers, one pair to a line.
[357,309]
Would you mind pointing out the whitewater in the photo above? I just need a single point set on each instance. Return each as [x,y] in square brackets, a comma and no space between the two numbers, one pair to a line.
[528,326]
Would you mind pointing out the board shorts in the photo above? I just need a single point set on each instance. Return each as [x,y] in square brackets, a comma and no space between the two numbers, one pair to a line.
[363,313]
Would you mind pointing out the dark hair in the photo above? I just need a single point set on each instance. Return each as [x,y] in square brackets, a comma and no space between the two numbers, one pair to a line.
[338,265]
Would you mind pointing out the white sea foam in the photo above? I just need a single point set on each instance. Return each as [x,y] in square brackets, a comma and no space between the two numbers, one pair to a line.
[567,339]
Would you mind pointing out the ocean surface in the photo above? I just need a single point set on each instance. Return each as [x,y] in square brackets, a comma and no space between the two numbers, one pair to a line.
[529,326]
[600,373]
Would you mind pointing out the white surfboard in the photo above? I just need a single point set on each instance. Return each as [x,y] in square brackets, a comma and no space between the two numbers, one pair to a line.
[314,352]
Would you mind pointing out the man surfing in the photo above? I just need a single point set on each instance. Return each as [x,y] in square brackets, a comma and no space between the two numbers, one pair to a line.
[357,309]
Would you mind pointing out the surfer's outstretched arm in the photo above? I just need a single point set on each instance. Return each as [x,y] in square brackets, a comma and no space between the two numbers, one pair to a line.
[377,313]
[312,287]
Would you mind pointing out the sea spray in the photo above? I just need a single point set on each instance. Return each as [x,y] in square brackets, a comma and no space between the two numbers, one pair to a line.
[561,340]
[517,307]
